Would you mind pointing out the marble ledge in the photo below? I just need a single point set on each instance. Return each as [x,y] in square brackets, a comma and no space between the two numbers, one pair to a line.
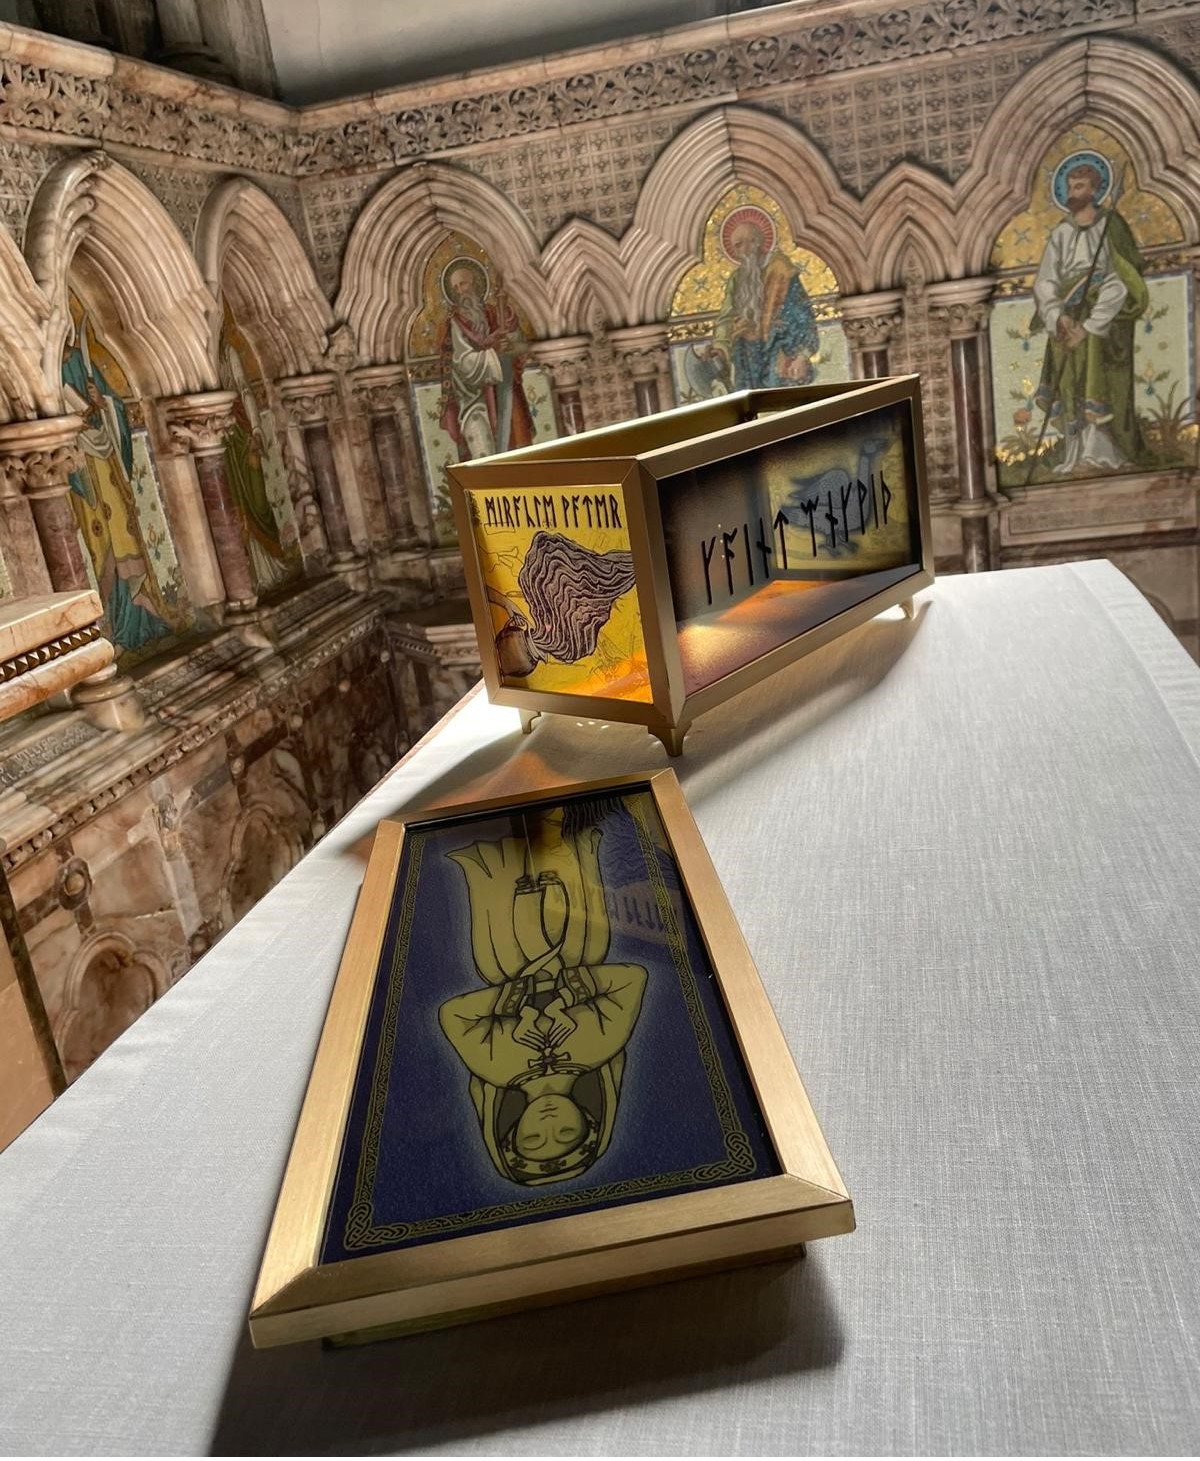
[35,48]
[27,624]
[42,681]
[111,764]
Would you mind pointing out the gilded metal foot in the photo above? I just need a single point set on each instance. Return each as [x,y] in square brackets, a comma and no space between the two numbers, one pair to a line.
[527,719]
[671,737]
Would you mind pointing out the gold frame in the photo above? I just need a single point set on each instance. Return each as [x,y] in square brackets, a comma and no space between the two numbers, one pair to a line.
[634,457]
[458,1279]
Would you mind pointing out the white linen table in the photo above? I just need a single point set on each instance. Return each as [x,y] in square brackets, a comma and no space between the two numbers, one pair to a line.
[964,854]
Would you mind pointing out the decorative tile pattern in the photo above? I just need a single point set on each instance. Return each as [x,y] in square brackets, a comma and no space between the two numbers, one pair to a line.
[22,168]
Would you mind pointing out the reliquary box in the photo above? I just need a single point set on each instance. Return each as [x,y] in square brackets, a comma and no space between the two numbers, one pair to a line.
[648,571]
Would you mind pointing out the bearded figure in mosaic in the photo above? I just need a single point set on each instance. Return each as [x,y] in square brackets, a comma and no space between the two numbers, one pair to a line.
[1089,290]
[766,329]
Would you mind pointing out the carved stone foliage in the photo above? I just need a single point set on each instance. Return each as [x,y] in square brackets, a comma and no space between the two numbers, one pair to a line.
[34,472]
[308,401]
[746,58]
[200,424]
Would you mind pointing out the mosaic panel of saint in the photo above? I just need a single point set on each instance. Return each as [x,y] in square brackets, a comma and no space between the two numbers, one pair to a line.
[1092,362]
[476,389]
[254,464]
[757,310]
[116,499]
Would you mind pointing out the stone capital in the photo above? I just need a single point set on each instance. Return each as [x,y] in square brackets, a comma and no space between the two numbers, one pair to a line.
[961,306]
[643,349]
[36,457]
[563,358]
[870,320]
[376,388]
[198,424]
[309,400]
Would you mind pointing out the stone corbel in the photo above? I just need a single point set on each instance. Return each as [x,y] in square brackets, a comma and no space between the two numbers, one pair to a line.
[870,321]
[961,308]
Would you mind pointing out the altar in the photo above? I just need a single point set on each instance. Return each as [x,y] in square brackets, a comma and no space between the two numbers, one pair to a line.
[963,851]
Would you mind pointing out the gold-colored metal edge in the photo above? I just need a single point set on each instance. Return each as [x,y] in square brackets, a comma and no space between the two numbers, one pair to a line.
[295,1234]
[649,566]
[790,1249]
[760,431]
[666,634]
[629,438]
[296,1297]
[523,1286]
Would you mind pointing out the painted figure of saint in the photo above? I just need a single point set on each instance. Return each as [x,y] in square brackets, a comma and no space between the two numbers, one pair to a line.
[483,352]
[103,500]
[545,1040]
[1089,291]
[766,329]
[244,450]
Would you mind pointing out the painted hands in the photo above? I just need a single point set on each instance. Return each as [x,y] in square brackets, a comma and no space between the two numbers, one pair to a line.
[544,1031]
[1070,332]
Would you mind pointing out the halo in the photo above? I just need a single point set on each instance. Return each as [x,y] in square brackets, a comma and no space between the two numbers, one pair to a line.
[464,261]
[751,214]
[1058,186]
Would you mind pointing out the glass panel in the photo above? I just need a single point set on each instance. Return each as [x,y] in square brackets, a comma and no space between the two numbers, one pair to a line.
[559,577]
[767,544]
[546,1035]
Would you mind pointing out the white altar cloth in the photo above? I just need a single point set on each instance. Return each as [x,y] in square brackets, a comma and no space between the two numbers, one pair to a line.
[965,854]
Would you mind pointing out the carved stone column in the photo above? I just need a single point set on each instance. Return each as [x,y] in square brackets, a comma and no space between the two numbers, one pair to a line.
[869,321]
[36,459]
[644,351]
[961,307]
[564,359]
[376,390]
[197,426]
[310,401]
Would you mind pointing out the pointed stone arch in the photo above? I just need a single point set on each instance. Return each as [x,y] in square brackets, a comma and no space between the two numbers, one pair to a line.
[250,257]
[731,145]
[394,235]
[583,267]
[95,223]
[25,392]
[1142,98]
[910,207]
